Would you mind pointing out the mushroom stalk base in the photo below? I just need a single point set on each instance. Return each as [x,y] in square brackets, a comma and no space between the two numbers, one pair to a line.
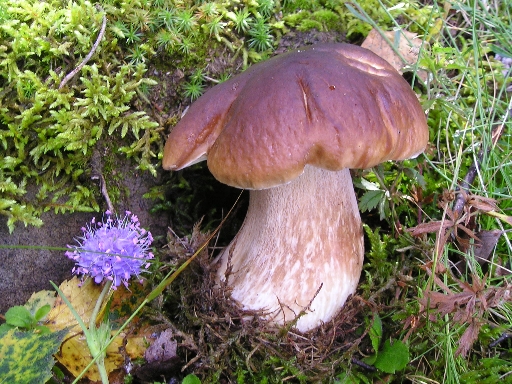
[300,249]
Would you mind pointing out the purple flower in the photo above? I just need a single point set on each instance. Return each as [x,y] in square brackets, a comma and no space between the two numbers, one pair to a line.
[114,249]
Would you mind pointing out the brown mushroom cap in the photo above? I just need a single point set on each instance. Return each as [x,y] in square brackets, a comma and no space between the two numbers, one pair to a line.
[333,106]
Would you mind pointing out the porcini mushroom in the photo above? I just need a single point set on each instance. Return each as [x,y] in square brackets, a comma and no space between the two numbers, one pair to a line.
[289,129]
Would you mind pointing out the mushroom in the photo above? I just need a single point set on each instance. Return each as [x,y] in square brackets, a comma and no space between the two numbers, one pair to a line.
[289,129]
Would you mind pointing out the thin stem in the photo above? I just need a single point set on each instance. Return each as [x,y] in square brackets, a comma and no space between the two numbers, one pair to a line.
[70,75]
[100,363]
[99,302]
[91,334]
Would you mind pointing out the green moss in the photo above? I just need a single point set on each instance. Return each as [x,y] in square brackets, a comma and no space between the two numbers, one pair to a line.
[295,19]
[309,24]
[48,134]
[290,6]
[48,131]
[330,20]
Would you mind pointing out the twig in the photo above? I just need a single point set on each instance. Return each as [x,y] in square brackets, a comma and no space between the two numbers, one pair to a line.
[70,75]
[104,192]
[192,361]
[363,365]
[97,174]
[503,337]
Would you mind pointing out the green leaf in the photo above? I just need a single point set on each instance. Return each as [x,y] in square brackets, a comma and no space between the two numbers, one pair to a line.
[370,200]
[27,356]
[393,357]
[38,300]
[352,378]
[191,379]
[369,186]
[356,13]
[376,332]
[19,317]
[42,312]
[4,328]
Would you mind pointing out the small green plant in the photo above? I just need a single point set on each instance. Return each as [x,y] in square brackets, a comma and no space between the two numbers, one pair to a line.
[21,318]
[133,35]
[185,20]
[137,55]
[166,18]
[260,37]
[388,357]
[167,39]
[241,19]
[215,27]
[194,88]
[191,379]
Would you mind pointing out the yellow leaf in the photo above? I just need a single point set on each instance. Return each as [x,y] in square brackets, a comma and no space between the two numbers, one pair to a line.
[136,345]
[38,299]
[74,355]
[74,352]
[82,297]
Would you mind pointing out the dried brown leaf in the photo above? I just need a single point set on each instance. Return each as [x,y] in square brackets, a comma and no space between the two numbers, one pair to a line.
[488,240]
[407,43]
[484,204]
[468,338]
[433,226]
[497,296]
[469,306]
[468,232]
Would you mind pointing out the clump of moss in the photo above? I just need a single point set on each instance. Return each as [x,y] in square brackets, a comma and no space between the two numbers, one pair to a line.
[351,18]
[50,126]
[56,105]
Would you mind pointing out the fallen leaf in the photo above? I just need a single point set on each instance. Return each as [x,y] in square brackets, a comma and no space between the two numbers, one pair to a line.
[467,307]
[74,353]
[482,249]
[408,44]
[484,204]
[163,348]
[468,338]
[38,299]
[431,226]
[138,343]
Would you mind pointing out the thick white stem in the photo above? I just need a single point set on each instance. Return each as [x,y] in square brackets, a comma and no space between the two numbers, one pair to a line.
[297,238]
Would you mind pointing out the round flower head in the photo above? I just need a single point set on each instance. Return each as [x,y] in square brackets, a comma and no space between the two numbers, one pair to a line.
[113,249]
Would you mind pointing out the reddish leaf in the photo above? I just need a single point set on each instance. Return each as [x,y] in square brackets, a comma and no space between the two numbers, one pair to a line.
[433,226]
[468,338]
